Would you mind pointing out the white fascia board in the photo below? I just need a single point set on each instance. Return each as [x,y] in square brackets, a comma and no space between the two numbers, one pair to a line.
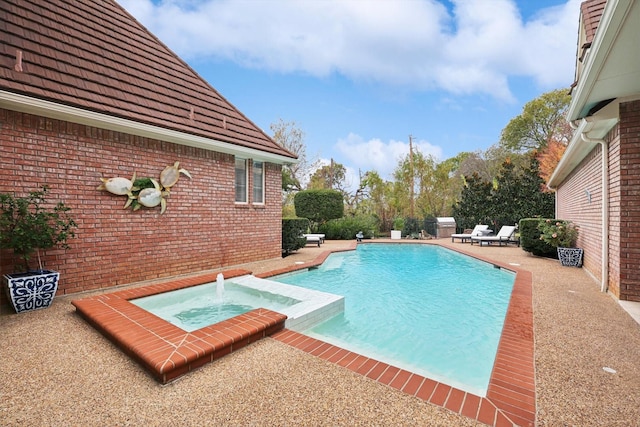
[614,14]
[593,129]
[573,155]
[40,107]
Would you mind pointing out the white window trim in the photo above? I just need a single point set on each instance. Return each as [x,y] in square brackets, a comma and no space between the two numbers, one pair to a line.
[253,184]
[246,181]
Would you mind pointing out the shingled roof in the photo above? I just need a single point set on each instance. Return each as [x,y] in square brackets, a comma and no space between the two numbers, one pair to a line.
[591,13]
[93,55]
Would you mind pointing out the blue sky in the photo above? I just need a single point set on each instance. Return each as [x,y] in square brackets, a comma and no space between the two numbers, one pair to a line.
[360,76]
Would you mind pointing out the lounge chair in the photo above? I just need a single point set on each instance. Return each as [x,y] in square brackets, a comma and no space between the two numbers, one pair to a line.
[505,235]
[478,230]
[314,238]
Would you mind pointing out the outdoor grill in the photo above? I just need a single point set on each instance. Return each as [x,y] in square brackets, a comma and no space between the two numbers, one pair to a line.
[445,226]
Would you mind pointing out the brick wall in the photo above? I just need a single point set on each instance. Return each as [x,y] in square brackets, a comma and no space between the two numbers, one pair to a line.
[580,200]
[630,201]
[614,211]
[202,228]
[623,143]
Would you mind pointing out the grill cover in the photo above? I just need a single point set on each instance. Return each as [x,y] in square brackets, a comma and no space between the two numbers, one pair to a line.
[446,226]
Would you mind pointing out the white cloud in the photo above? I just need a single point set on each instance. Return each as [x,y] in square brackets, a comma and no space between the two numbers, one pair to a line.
[472,49]
[380,156]
[552,37]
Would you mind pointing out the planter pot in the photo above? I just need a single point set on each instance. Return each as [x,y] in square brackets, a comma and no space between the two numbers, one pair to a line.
[33,290]
[396,234]
[570,257]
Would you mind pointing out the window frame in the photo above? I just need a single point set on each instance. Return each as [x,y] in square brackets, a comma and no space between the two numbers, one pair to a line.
[246,181]
[254,181]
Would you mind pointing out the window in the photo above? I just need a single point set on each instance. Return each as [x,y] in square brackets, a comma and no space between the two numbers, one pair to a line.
[258,182]
[241,180]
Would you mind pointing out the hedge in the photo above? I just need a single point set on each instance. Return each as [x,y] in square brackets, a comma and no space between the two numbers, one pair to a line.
[292,231]
[530,238]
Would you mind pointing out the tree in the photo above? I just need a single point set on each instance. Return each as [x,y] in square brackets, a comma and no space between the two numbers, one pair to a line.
[549,158]
[404,186]
[539,201]
[475,202]
[424,187]
[505,201]
[541,120]
[470,163]
[519,194]
[496,155]
[319,206]
[331,177]
[374,195]
[447,187]
[515,194]
[290,137]
[488,164]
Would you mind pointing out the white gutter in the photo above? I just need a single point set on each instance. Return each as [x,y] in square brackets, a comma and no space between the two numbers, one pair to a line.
[613,15]
[573,155]
[604,284]
[40,107]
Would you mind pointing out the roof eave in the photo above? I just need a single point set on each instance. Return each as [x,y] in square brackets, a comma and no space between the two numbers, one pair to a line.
[613,16]
[567,162]
[580,147]
[41,107]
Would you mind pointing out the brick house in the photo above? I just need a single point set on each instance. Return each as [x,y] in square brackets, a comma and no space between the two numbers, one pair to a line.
[597,181]
[86,92]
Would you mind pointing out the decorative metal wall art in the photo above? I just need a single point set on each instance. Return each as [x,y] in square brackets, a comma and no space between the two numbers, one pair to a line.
[147,192]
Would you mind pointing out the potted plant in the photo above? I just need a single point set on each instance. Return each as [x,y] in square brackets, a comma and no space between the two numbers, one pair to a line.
[27,225]
[398,226]
[563,236]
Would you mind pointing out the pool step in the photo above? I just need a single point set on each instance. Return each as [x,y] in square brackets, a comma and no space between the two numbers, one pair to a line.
[314,307]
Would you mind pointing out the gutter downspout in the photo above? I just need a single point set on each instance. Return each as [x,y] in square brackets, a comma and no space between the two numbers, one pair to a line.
[604,285]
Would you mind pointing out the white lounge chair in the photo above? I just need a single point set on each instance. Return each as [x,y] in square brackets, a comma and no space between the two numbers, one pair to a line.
[478,230]
[505,235]
[314,238]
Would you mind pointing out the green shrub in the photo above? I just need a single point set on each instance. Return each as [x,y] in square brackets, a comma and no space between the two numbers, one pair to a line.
[31,223]
[530,238]
[398,223]
[559,234]
[346,228]
[319,206]
[292,231]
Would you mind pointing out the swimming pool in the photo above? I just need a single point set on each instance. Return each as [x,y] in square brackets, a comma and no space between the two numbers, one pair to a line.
[423,308]
[168,353]
[192,308]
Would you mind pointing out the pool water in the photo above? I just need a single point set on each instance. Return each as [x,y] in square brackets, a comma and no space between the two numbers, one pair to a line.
[422,308]
[194,307]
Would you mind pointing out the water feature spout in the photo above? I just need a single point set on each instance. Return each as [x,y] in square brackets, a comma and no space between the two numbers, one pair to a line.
[219,285]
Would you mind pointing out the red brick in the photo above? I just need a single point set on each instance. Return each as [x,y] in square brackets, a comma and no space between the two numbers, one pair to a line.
[202,228]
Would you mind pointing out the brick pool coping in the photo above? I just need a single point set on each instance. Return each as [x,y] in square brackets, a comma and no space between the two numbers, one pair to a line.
[165,350]
[169,352]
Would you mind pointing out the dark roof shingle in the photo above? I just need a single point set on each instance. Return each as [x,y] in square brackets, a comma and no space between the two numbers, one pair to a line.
[94,55]
[591,11]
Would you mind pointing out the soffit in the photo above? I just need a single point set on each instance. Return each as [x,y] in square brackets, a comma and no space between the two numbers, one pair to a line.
[612,66]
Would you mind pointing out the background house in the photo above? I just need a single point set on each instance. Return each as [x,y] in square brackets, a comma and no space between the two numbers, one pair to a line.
[597,181]
[86,92]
